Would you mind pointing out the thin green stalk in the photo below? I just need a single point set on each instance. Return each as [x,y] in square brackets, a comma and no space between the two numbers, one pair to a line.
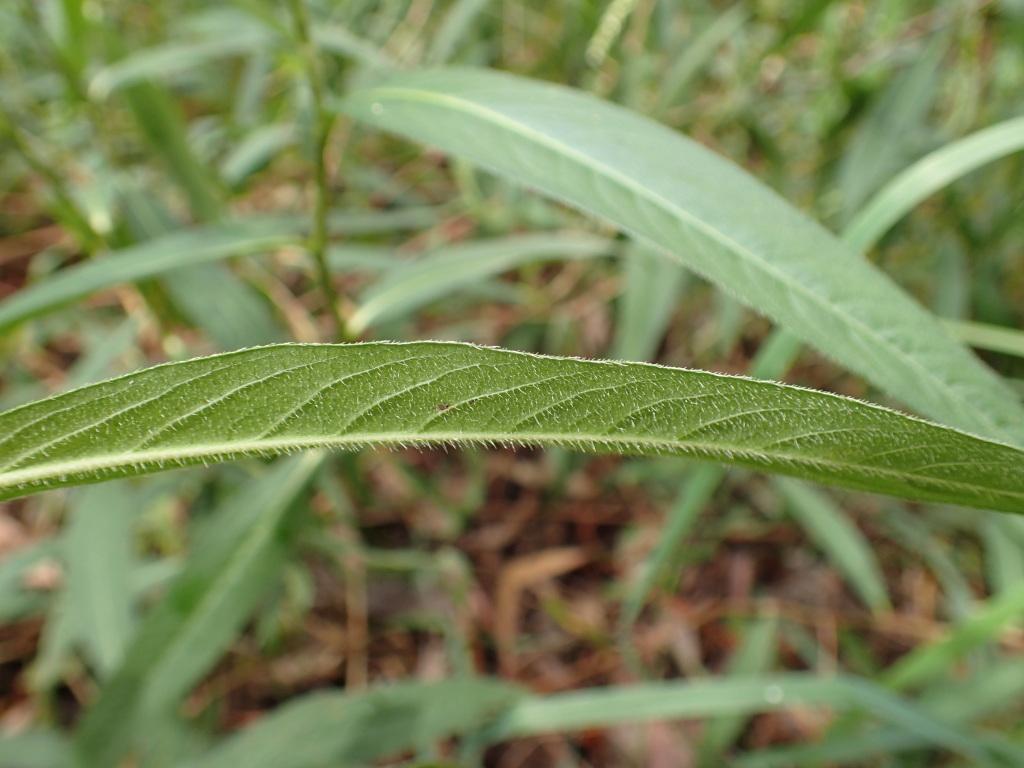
[317,241]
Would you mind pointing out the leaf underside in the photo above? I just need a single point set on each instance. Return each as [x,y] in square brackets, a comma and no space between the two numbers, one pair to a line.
[281,398]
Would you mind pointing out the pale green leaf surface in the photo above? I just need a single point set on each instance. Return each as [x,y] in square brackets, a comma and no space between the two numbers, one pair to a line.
[173,251]
[36,748]
[281,398]
[707,212]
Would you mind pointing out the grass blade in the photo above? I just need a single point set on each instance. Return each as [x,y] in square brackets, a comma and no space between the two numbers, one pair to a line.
[454,29]
[694,495]
[160,119]
[960,701]
[708,213]
[16,601]
[286,397]
[226,307]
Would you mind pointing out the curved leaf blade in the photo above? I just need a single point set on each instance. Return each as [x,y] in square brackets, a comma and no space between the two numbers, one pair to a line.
[281,398]
[705,211]
[930,174]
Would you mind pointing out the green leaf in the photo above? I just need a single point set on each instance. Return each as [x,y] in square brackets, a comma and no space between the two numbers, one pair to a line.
[37,748]
[960,701]
[410,286]
[172,58]
[695,493]
[100,563]
[224,305]
[161,120]
[173,251]
[930,174]
[184,635]
[708,213]
[991,337]
[286,397]
[678,700]
[346,728]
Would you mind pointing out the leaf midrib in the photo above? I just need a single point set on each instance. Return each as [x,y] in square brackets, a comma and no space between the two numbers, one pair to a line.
[195,454]
[658,200]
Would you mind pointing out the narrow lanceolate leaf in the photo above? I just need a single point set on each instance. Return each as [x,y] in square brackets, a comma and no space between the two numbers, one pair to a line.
[705,211]
[280,398]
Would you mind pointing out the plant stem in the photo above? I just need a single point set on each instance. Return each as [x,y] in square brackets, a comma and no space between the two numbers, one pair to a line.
[317,242]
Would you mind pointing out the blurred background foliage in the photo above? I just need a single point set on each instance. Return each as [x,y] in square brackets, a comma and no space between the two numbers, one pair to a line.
[163,126]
